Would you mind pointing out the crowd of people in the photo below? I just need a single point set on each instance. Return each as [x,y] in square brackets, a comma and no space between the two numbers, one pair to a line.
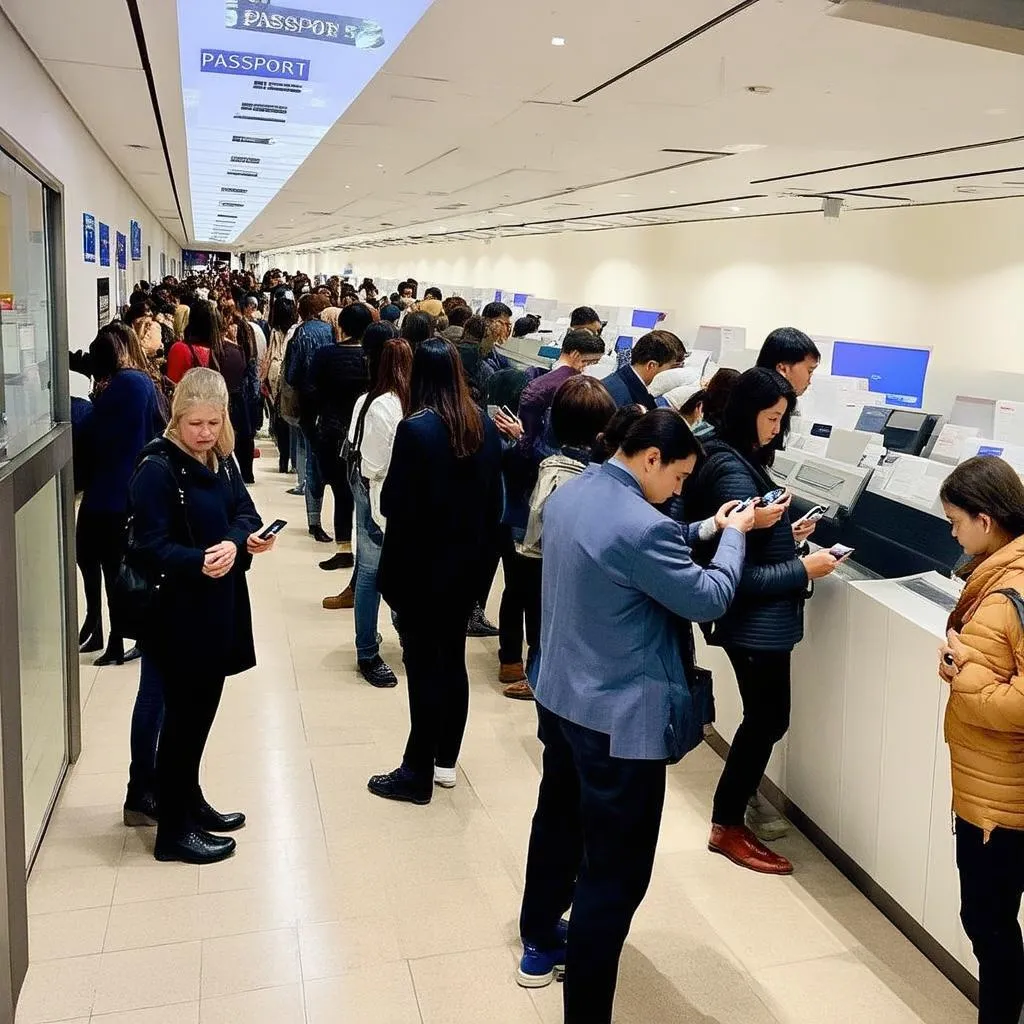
[618,508]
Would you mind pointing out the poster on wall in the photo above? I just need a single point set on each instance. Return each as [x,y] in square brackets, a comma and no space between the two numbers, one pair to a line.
[104,245]
[136,236]
[163,265]
[122,252]
[89,237]
[122,290]
[102,302]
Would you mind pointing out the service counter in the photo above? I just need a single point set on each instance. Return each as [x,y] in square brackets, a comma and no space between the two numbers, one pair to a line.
[864,768]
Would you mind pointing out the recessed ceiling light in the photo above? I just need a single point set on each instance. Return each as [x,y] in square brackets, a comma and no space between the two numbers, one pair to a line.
[348,186]
[380,166]
[743,147]
[627,195]
[672,192]
[557,41]
[759,90]
[736,209]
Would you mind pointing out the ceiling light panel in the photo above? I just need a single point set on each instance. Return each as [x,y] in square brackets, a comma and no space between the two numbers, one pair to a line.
[263,83]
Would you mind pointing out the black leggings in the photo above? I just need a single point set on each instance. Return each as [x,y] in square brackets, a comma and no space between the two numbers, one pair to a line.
[191,699]
[520,603]
[763,678]
[991,884]
[99,545]
[283,436]
[434,651]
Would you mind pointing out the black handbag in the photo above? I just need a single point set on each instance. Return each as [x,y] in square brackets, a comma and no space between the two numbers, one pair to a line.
[136,597]
[350,454]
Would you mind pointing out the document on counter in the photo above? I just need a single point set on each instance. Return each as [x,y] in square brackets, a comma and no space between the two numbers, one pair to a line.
[1009,422]
[950,444]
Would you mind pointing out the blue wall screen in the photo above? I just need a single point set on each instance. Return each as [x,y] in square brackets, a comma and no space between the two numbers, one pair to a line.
[263,83]
[896,373]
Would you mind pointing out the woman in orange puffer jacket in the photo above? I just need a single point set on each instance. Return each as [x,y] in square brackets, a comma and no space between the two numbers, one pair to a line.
[983,662]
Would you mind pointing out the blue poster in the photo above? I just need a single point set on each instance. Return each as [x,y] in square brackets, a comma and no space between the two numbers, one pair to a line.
[104,245]
[122,252]
[89,237]
[264,82]
[136,236]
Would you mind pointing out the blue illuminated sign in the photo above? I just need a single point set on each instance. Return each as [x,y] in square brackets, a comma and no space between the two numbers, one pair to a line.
[122,252]
[896,373]
[104,245]
[136,239]
[991,451]
[251,116]
[89,237]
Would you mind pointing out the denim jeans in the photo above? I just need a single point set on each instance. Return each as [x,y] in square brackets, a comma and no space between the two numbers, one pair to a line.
[314,483]
[368,544]
[147,721]
[298,445]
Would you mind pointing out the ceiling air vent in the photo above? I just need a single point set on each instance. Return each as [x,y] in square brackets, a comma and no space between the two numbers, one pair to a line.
[996,24]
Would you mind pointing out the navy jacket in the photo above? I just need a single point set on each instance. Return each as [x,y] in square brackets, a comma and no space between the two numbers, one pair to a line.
[125,418]
[616,574]
[768,613]
[628,389]
[442,518]
[207,622]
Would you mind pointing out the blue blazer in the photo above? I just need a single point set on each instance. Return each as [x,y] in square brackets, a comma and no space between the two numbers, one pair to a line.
[628,389]
[617,573]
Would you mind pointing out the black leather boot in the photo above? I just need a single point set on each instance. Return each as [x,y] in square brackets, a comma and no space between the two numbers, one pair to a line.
[194,847]
[140,811]
[206,817]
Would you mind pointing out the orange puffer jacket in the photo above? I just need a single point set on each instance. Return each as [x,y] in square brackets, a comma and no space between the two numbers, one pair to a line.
[985,715]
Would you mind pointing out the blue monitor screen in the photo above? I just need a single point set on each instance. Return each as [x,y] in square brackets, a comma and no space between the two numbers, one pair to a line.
[519,298]
[624,343]
[646,318]
[873,419]
[897,373]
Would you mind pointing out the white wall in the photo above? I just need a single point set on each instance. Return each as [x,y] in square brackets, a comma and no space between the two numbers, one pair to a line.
[949,277]
[40,120]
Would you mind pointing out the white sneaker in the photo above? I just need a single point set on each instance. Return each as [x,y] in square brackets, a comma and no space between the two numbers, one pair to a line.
[444,777]
[764,821]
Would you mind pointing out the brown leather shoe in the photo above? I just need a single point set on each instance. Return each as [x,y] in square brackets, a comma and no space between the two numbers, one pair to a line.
[518,691]
[742,847]
[346,599]
[511,673]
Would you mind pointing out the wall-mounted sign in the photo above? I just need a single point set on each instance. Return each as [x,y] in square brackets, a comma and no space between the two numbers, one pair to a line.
[104,245]
[6,302]
[135,231]
[89,237]
[263,84]
[102,302]
[163,265]
[122,251]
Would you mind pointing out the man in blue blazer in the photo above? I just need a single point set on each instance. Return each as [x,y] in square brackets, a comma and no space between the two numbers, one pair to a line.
[617,574]
[654,352]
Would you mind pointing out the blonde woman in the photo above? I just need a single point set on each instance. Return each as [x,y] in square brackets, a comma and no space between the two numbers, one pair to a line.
[194,523]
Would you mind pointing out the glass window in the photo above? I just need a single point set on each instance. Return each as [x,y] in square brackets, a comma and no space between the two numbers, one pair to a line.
[26,399]
[40,575]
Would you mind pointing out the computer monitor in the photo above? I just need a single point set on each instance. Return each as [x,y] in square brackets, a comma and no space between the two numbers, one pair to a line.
[908,432]
[897,373]
[646,318]
[873,419]
[971,411]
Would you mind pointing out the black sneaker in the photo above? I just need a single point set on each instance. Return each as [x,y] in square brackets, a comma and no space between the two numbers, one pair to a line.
[342,560]
[479,624]
[377,673]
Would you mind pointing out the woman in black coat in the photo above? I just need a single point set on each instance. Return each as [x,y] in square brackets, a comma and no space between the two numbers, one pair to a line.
[442,503]
[765,622]
[193,522]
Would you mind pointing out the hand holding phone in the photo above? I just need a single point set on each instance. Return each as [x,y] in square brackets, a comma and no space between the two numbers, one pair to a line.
[273,529]
[840,552]
[813,516]
[776,496]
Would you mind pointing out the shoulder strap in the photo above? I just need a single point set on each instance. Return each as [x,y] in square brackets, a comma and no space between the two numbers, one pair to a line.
[162,460]
[1016,600]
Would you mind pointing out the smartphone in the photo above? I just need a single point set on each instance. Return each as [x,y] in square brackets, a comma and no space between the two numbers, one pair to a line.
[840,552]
[744,505]
[506,411]
[273,529]
[773,496]
[815,514]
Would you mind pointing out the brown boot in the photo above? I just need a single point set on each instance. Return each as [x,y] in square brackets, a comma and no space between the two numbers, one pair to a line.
[346,599]
[513,673]
[518,691]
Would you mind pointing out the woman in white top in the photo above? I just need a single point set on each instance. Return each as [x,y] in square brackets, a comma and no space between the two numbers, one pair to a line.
[283,321]
[375,420]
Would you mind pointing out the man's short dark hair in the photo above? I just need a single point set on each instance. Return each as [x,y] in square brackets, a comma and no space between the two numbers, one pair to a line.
[353,320]
[432,293]
[459,315]
[495,311]
[660,347]
[583,315]
[586,343]
[786,345]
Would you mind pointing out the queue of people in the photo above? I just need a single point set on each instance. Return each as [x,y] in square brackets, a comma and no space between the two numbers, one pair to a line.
[620,525]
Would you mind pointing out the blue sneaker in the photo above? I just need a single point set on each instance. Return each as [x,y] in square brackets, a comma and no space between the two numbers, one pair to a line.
[539,967]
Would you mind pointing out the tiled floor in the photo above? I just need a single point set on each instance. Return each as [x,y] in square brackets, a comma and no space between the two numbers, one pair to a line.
[339,907]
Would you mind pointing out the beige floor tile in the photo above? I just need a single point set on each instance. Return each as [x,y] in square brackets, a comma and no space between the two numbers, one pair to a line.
[141,978]
[242,963]
[138,883]
[58,990]
[384,994]
[67,933]
[332,948]
[80,851]
[55,889]
[282,1005]
[474,986]
[177,1013]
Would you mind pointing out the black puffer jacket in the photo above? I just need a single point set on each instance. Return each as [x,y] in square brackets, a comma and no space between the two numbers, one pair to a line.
[768,612]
